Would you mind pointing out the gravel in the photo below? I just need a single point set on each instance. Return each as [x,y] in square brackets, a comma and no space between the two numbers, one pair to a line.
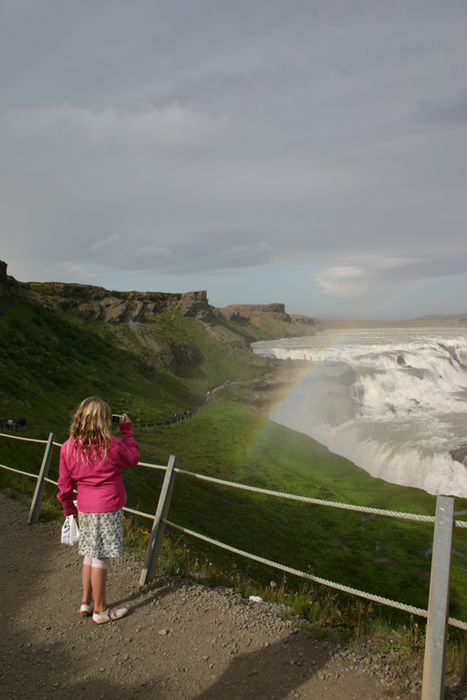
[181,639]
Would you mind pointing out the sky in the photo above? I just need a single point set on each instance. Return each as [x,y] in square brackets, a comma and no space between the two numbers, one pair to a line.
[306,152]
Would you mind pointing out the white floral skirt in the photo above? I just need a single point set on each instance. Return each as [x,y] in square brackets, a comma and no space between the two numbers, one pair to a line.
[101,534]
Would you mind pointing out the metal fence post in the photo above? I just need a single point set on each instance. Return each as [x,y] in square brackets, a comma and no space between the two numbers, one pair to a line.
[158,526]
[438,606]
[38,491]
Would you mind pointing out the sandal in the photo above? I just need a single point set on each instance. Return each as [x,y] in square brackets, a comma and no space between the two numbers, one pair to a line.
[86,609]
[108,615]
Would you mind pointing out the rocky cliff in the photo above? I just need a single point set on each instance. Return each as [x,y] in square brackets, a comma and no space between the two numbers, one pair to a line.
[246,311]
[5,282]
[96,303]
[3,277]
[271,319]
[245,322]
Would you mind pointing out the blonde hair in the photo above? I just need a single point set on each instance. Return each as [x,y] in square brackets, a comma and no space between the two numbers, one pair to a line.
[90,428]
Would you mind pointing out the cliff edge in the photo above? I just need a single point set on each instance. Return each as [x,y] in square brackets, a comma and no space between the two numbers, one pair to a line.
[98,304]
[242,323]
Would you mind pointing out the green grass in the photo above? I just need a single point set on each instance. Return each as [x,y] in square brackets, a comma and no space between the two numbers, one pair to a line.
[381,555]
[51,361]
[318,610]
[227,440]
[376,554]
[214,360]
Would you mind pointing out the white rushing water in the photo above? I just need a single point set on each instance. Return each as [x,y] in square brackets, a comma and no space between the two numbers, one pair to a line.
[392,400]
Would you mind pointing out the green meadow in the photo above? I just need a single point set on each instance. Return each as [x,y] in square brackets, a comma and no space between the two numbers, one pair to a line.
[386,556]
[51,360]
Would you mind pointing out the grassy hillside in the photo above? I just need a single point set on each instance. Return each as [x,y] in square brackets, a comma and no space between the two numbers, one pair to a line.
[51,360]
[203,356]
[381,555]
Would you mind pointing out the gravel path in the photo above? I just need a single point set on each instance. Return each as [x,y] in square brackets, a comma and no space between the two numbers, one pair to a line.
[180,640]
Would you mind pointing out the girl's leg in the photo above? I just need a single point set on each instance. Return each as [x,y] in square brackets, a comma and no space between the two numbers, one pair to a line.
[98,584]
[86,580]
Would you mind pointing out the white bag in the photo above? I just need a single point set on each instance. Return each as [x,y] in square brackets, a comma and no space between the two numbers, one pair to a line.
[70,531]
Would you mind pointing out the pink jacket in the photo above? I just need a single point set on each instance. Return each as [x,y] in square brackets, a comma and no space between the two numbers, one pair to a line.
[99,483]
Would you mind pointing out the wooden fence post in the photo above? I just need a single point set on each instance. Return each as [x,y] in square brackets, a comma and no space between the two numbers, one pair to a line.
[38,491]
[438,605]
[158,526]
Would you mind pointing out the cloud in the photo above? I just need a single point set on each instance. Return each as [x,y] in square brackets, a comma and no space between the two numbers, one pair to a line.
[344,281]
[373,277]
[169,127]
[235,135]
[106,244]
[258,253]
[130,252]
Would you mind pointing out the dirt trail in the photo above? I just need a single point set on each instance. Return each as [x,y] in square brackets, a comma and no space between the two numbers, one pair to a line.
[180,640]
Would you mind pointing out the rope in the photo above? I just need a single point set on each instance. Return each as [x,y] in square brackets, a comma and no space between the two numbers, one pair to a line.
[17,437]
[18,471]
[152,466]
[138,512]
[281,494]
[457,623]
[311,577]
[268,562]
[318,501]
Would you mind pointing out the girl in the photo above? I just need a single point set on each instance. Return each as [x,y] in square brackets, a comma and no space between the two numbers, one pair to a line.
[94,459]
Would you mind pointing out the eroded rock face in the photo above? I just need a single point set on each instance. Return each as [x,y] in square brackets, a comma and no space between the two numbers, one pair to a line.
[3,278]
[248,308]
[300,318]
[178,356]
[96,303]
[244,312]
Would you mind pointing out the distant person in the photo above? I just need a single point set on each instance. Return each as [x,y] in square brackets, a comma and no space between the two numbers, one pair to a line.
[94,459]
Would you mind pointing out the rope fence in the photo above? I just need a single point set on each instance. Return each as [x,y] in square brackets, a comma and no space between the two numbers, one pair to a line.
[316,579]
[17,437]
[170,471]
[18,471]
[162,467]
[317,501]
[416,517]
